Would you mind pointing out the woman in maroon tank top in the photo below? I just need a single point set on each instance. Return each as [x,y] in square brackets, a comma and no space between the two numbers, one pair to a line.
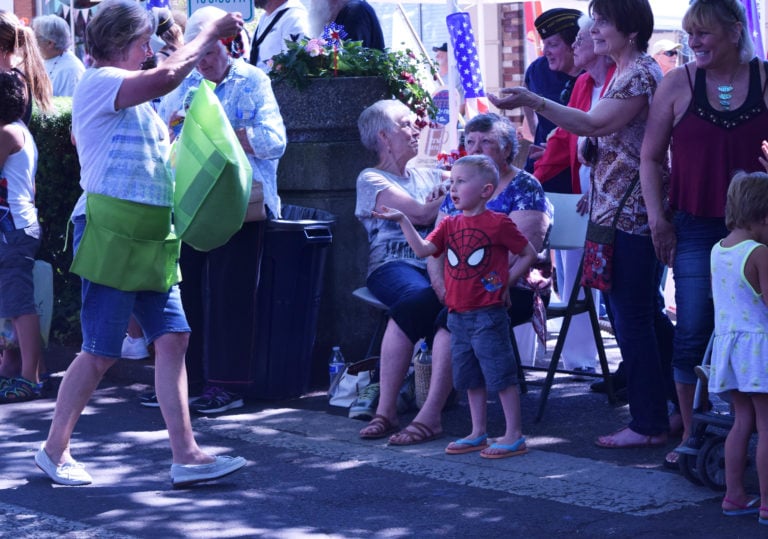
[712,114]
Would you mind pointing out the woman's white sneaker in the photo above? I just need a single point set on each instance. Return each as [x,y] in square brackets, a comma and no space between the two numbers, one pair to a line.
[70,473]
[184,475]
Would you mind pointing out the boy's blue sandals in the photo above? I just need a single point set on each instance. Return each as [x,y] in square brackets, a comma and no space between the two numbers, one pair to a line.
[467,445]
[502,451]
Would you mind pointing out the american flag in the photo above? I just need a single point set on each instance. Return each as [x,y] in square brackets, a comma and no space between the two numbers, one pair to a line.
[467,63]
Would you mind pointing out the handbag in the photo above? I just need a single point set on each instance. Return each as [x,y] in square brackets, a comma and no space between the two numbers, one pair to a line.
[597,265]
[354,378]
[213,175]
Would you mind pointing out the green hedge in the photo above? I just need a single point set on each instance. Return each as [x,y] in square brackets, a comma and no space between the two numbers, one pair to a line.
[58,188]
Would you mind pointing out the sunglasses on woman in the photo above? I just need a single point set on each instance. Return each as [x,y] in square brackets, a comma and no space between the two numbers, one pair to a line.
[670,53]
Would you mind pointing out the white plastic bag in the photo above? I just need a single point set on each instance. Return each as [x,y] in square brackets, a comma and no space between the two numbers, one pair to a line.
[347,386]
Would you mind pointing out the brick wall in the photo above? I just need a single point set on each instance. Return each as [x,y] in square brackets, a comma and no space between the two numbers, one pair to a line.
[512,50]
[24,9]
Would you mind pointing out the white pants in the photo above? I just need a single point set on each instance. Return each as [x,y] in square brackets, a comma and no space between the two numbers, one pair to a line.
[580,349]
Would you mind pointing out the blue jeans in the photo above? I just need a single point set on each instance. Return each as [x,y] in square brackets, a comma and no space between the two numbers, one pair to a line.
[406,290]
[643,332]
[481,349]
[105,312]
[693,290]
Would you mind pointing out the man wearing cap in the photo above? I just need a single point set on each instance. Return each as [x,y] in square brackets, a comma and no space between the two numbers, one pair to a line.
[282,20]
[441,57]
[666,52]
[552,76]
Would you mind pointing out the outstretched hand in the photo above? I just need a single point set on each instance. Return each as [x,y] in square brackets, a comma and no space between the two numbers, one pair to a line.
[389,214]
[512,98]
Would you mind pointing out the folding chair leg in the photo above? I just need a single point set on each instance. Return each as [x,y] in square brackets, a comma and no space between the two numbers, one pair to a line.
[549,380]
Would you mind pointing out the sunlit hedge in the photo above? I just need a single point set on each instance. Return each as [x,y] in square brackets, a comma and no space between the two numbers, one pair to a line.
[58,174]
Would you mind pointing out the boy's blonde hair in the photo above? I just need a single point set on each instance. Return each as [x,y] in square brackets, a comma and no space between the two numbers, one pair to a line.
[747,202]
[484,165]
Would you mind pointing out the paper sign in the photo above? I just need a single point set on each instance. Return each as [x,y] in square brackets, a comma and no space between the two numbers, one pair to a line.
[242,6]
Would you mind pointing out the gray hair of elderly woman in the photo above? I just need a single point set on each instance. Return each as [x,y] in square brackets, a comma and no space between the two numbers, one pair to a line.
[723,13]
[54,29]
[381,116]
[505,132]
[585,23]
[116,25]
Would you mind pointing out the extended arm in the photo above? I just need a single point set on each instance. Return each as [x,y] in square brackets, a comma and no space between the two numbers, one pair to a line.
[419,213]
[608,116]
[142,86]
[420,246]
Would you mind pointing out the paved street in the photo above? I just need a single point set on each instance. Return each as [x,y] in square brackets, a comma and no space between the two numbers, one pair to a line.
[309,475]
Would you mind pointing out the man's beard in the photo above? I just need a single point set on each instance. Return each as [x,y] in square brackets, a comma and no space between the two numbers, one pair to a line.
[321,12]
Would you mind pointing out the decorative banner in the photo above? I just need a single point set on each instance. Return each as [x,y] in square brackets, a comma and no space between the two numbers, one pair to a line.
[753,23]
[467,63]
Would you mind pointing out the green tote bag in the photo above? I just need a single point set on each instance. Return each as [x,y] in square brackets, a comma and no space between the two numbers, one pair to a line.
[213,175]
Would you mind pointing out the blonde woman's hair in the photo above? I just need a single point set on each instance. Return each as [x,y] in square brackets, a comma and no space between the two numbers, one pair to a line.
[747,201]
[20,40]
[724,13]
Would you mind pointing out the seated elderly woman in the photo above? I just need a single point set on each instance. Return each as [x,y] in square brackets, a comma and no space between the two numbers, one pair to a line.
[396,276]
[520,196]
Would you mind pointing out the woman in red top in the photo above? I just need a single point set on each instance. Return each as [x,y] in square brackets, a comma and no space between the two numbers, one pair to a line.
[712,115]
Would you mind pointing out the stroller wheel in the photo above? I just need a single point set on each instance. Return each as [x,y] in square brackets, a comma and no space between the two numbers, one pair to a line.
[687,464]
[710,463]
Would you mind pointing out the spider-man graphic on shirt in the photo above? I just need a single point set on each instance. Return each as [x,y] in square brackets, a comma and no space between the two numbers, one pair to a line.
[477,260]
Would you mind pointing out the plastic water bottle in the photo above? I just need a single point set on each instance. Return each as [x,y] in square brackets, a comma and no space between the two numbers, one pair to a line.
[422,371]
[246,106]
[336,364]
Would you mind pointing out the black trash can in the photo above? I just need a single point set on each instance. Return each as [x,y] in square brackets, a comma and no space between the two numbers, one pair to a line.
[288,301]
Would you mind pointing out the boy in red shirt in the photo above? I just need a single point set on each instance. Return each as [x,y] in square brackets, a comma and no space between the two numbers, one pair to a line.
[478,273]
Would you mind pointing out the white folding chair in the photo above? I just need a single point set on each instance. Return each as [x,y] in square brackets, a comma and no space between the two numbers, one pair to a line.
[568,232]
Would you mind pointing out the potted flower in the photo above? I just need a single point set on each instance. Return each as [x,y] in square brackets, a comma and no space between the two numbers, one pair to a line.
[319,81]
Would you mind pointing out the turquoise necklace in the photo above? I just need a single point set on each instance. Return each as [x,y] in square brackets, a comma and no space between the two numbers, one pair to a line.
[724,95]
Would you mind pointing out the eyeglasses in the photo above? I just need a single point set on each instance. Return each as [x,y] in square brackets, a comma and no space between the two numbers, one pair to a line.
[579,41]
[565,95]
[670,53]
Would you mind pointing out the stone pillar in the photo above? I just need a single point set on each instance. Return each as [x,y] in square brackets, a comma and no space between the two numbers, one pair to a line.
[319,170]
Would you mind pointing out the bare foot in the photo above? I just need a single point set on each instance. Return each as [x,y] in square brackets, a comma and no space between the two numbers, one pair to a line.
[627,438]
